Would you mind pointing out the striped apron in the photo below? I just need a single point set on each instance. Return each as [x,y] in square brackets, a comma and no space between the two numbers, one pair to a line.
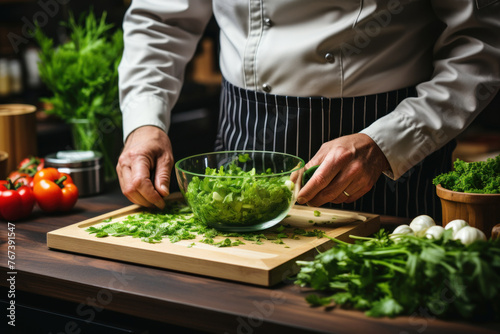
[251,120]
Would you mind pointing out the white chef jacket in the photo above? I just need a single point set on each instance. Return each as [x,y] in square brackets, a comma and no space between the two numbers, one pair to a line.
[448,49]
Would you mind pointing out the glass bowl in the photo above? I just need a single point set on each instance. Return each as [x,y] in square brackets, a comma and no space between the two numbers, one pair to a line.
[240,191]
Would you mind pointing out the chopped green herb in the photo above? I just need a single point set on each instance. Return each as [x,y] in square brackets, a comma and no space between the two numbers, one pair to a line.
[313,233]
[177,222]
[317,213]
[237,243]
[230,196]
[243,157]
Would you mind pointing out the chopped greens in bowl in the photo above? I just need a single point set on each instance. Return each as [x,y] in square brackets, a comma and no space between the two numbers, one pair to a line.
[240,190]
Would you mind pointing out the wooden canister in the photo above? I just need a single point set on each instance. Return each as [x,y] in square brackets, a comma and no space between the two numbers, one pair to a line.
[17,132]
[4,159]
[478,210]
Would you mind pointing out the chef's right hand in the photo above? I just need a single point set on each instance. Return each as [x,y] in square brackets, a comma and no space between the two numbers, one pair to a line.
[145,166]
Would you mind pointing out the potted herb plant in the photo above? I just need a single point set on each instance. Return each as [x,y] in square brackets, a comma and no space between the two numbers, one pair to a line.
[82,75]
[471,191]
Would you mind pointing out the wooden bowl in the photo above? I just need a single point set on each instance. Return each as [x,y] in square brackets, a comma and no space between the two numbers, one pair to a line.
[481,211]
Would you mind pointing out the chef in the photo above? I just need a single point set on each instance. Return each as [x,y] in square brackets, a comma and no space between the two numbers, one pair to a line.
[373,91]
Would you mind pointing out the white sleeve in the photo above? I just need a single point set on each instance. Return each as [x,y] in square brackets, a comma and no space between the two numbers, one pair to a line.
[466,78]
[160,38]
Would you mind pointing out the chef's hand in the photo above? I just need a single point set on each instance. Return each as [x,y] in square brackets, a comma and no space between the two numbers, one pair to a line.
[349,167]
[147,150]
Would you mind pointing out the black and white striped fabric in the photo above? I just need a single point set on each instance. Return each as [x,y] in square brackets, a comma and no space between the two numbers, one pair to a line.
[258,121]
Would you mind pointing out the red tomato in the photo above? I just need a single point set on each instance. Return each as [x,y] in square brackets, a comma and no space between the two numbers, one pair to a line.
[31,165]
[20,177]
[16,201]
[49,173]
[69,197]
[54,191]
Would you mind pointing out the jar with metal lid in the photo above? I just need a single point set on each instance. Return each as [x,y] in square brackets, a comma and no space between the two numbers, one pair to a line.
[84,167]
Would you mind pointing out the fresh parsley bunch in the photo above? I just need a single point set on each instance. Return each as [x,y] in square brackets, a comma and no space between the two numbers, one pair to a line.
[472,177]
[387,277]
[82,73]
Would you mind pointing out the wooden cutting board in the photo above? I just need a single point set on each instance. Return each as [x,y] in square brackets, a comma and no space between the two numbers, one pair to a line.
[261,264]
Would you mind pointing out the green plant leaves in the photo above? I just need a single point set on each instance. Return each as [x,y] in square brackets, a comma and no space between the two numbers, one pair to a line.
[82,73]
[385,278]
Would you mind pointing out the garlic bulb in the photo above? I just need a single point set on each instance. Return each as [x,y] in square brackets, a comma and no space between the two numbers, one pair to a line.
[420,224]
[434,232]
[469,234]
[456,225]
[400,230]
[403,229]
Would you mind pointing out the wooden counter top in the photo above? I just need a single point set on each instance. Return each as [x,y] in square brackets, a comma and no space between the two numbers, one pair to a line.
[89,289]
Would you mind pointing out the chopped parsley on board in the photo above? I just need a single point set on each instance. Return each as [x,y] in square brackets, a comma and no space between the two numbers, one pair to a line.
[177,222]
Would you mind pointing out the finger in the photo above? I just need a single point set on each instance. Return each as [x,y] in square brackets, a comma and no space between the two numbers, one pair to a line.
[355,190]
[162,176]
[349,194]
[141,181]
[323,176]
[128,190]
[298,173]
[333,192]
[352,195]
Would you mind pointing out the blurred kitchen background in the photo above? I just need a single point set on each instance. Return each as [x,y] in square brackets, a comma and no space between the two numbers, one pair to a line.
[195,116]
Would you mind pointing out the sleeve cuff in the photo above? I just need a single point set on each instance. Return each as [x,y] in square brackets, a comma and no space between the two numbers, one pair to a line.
[400,141]
[145,110]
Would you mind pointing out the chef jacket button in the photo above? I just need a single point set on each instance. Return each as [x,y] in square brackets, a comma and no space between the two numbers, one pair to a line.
[329,57]
[266,88]
[268,22]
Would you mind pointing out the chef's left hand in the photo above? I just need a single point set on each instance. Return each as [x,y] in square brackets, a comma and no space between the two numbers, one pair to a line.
[349,167]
